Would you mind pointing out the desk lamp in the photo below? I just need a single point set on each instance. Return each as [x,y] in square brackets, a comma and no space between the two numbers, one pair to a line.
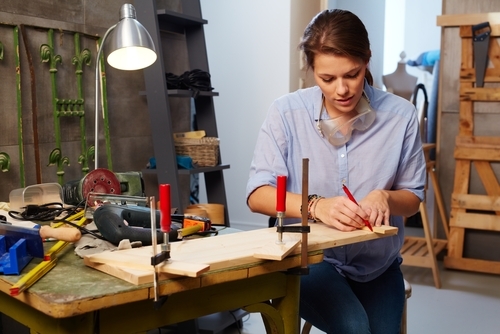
[131,49]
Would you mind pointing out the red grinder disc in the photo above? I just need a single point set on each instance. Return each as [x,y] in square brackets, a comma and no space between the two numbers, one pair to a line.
[101,181]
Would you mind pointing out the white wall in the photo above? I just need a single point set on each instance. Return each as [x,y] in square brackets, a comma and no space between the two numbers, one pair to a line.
[372,13]
[248,44]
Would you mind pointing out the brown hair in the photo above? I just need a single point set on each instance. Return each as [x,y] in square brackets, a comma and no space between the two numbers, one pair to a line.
[338,32]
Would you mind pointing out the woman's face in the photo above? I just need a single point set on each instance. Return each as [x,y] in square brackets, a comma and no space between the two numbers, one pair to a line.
[341,79]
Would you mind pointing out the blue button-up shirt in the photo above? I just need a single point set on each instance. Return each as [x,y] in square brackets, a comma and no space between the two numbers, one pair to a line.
[388,155]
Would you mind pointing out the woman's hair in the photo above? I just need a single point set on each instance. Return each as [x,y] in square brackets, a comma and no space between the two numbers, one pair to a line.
[337,32]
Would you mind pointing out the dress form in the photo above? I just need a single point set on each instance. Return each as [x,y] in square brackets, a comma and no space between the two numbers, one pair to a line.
[400,82]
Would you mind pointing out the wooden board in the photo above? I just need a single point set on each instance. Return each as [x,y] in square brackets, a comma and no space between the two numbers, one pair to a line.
[223,251]
[467,19]
[275,250]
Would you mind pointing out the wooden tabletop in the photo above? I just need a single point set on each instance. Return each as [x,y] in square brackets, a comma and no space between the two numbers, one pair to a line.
[72,288]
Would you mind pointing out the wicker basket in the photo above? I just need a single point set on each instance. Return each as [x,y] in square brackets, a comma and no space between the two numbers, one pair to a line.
[203,151]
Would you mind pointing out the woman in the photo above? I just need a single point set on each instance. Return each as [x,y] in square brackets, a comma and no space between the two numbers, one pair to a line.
[354,135]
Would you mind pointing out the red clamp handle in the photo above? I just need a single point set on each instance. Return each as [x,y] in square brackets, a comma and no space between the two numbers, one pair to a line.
[164,191]
[281,194]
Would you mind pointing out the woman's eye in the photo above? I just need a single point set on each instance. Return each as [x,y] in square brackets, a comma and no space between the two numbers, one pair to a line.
[327,80]
[352,76]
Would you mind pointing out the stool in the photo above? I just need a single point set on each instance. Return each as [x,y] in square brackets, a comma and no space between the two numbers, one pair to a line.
[307,326]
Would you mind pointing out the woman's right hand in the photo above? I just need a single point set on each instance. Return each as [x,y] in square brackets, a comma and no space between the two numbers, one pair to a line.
[340,212]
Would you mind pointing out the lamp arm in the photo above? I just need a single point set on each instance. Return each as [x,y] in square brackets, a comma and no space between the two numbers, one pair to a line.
[97,86]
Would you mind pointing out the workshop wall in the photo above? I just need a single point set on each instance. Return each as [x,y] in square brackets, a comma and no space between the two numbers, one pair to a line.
[129,121]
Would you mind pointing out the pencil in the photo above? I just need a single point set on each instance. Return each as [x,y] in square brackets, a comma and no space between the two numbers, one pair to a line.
[351,197]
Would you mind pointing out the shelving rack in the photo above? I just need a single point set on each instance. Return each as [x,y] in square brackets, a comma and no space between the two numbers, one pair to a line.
[190,25]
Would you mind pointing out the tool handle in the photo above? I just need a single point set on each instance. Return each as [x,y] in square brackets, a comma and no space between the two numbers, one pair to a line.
[184,232]
[165,219]
[281,194]
[69,234]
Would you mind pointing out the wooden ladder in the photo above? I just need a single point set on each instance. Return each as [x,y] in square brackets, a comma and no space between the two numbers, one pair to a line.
[422,251]
[475,211]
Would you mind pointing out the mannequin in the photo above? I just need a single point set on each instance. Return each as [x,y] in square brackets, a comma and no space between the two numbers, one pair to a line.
[400,82]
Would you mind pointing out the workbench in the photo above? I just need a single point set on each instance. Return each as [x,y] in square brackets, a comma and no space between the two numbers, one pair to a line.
[74,298]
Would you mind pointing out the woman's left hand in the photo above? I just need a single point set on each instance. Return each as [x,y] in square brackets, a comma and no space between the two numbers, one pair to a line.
[376,205]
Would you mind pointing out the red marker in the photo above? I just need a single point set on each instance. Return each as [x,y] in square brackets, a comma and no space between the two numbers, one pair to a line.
[165,221]
[281,194]
[348,193]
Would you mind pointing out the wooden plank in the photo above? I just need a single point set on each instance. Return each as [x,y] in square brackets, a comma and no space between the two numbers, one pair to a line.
[477,202]
[452,20]
[488,178]
[466,31]
[234,249]
[456,241]
[477,265]
[481,142]
[477,148]
[469,74]
[494,49]
[285,264]
[460,186]
[136,276]
[274,250]
[479,94]
[477,221]
[471,153]
[135,260]
[466,117]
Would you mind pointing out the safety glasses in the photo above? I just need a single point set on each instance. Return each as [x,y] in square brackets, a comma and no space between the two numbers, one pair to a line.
[338,133]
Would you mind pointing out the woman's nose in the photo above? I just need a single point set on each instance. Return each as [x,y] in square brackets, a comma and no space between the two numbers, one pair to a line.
[342,88]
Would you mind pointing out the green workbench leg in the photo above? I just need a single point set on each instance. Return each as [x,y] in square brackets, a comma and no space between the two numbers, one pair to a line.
[288,306]
[282,316]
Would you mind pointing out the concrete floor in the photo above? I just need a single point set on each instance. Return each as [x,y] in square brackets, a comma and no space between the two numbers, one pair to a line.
[467,303]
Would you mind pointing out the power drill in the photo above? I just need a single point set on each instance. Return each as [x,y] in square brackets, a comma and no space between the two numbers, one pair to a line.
[110,221]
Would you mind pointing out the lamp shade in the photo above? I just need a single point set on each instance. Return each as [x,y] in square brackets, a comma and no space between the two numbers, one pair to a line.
[131,46]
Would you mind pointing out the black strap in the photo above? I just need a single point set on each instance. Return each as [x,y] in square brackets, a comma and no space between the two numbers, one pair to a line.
[195,80]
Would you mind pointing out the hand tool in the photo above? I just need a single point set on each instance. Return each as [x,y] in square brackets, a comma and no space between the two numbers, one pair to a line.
[481,36]
[118,222]
[154,258]
[165,222]
[280,204]
[351,197]
[185,231]
[304,270]
[103,181]
[47,264]
[304,229]
[109,219]
[21,244]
